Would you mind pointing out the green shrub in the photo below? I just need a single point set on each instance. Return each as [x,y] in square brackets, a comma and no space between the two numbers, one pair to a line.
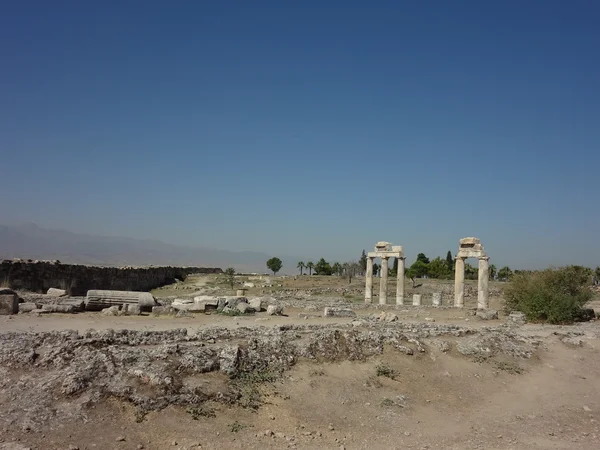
[554,295]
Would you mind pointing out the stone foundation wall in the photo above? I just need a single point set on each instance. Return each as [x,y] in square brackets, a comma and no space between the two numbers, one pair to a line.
[39,276]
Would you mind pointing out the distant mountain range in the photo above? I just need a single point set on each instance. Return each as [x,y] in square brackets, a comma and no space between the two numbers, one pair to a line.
[29,241]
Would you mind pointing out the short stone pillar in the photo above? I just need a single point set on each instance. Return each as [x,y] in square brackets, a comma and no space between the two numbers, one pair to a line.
[459,282]
[416,299]
[482,283]
[400,281]
[383,281]
[240,292]
[436,299]
[369,281]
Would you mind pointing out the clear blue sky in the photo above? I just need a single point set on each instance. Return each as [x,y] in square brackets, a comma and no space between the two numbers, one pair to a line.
[309,128]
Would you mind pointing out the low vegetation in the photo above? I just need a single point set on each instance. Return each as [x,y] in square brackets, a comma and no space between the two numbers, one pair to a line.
[555,295]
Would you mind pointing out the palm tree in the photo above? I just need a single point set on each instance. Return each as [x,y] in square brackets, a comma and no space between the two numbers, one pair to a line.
[301,266]
[309,266]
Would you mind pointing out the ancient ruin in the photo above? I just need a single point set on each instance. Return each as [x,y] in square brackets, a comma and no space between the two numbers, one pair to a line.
[385,250]
[471,247]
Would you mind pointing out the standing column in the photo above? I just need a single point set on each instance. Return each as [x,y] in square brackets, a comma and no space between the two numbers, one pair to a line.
[482,283]
[369,281]
[400,282]
[459,282]
[383,281]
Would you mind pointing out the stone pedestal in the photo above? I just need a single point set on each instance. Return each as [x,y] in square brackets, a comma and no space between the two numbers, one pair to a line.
[400,282]
[416,299]
[459,283]
[369,281]
[383,281]
[436,299]
[482,283]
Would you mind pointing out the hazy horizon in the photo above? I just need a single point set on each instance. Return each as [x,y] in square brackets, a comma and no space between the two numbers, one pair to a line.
[311,129]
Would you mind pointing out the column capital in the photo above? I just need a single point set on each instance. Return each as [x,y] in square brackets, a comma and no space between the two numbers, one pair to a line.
[484,258]
[456,258]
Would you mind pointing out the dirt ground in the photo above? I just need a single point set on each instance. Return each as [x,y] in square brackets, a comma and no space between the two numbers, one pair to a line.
[433,399]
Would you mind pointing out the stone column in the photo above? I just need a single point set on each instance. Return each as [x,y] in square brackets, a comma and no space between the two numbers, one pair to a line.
[369,281]
[459,282]
[400,282]
[482,284]
[383,283]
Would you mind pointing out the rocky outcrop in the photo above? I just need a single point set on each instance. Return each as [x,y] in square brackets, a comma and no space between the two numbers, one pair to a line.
[77,279]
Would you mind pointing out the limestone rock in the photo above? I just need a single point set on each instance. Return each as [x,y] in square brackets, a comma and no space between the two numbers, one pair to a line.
[13,446]
[244,308]
[232,302]
[163,311]
[28,307]
[517,317]
[387,317]
[56,292]
[338,312]
[204,303]
[66,309]
[487,314]
[133,310]
[229,359]
[183,314]
[275,310]
[112,311]
[256,304]
[9,304]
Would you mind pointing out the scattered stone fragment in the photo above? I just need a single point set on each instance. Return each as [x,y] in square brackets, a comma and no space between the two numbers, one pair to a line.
[487,314]
[56,292]
[28,307]
[9,304]
[120,439]
[338,312]
[517,317]
[275,310]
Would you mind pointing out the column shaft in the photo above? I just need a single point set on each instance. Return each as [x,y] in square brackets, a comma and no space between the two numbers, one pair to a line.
[459,283]
[383,281]
[482,283]
[400,282]
[369,281]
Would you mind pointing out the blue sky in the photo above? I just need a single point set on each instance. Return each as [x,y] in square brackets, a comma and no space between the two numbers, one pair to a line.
[307,128]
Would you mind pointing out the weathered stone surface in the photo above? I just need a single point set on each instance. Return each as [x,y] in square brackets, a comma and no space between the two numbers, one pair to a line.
[436,299]
[387,317]
[9,304]
[38,276]
[338,312]
[256,304]
[517,317]
[56,292]
[229,359]
[275,310]
[13,446]
[163,311]
[112,311]
[416,300]
[232,302]
[487,314]
[133,310]
[97,299]
[28,307]
[244,308]
[67,309]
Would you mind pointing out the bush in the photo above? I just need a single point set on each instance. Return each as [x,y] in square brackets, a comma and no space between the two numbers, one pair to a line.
[551,295]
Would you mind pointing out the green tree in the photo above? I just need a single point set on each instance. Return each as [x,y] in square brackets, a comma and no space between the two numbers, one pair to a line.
[274,264]
[450,261]
[375,269]
[596,275]
[337,269]
[493,272]
[310,265]
[418,269]
[552,295]
[363,261]
[505,274]
[470,272]
[438,268]
[322,267]
[230,276]
[300,266]
[424,259]
[394,269]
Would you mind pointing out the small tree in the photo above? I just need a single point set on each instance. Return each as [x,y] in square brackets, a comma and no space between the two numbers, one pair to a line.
[450,261]
[274,264]
[493,272]
[438,268]
[424,259]
[551,295]
[375,269]
[323,267]
[230,276]
[300,266]
[418,269]
[363,261]
[351,269]
[470,272]
[310,265]
[337,269]
[505,273]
